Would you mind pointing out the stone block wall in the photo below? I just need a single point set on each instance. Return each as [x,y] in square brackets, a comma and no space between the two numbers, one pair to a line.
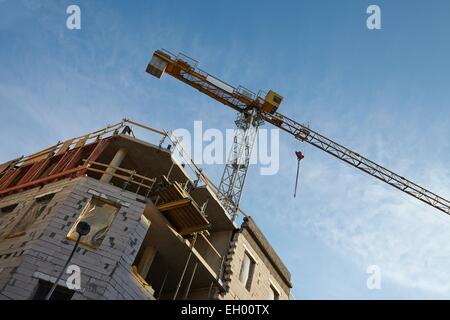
[263,276]
[42,251]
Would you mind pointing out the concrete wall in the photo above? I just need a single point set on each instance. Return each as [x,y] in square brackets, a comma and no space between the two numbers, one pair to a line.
[263,276]
[42,251]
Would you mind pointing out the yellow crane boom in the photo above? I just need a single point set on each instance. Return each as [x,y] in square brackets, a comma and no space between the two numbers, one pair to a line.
[265,106]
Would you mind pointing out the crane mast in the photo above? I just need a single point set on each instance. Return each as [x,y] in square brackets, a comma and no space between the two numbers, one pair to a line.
[233,177]
[256,109]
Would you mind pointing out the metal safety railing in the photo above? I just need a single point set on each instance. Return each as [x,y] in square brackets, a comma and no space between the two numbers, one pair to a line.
[129,177]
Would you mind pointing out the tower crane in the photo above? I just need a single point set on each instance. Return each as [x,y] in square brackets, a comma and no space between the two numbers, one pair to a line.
[255,109]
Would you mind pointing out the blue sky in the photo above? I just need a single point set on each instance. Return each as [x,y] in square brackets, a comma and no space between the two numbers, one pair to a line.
[383,93]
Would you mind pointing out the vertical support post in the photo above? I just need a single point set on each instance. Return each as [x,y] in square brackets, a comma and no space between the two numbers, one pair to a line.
[185,267]
[163,284]
[210,290]
[190,281]
[116,161]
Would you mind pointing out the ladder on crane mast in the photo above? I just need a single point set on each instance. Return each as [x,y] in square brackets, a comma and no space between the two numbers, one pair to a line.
[257,109]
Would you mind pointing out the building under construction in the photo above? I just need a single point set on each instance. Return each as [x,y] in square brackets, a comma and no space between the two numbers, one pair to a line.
[157,227]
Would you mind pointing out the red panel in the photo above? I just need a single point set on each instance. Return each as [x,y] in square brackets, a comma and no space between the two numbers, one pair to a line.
[98,150]
[61,163]
[34,170]
[16,173]
[4,181]
[74,159]
[101,146]
[40,181]
[66,166]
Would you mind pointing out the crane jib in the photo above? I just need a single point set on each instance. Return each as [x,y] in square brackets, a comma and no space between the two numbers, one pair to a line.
[240,99]
[359,162]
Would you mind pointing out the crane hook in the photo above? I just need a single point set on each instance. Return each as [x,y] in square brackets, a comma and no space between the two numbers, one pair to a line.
[300,156]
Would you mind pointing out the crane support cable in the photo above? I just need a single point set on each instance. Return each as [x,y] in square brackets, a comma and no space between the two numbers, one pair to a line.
[303,133]
[296,178]
[300,156]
